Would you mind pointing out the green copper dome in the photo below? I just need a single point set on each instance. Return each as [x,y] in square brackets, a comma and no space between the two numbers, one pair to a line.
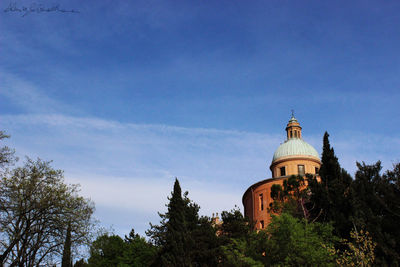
[293,147]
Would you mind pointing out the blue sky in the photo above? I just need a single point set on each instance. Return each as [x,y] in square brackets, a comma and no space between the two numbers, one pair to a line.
[126,95]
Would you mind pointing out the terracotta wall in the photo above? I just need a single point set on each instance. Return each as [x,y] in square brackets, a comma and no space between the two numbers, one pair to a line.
[256,207]
[253,208]
[291,165]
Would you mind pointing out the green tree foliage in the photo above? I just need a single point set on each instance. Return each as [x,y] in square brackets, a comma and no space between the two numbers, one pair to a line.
[292,242]
[291,198]
[183,237]
[235,225]
[236,236]
[371,202]
[36,209]
[331,197]
[206,249]
[377,209]
[177,239]
[238,253]
[137,252]
[287,241]
[106,251]
[112,251]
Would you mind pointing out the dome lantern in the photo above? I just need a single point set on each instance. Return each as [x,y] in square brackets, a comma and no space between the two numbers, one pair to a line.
[293,128]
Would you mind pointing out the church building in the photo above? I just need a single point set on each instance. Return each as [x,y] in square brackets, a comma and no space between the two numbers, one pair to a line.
[293,157]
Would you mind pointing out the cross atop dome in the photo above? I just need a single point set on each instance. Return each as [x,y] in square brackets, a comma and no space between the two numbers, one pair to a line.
[292,119]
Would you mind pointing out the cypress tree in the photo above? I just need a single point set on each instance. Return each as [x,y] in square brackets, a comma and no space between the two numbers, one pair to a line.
[176,236]
[67,257]
[184,238]
[331,196]
[330,168]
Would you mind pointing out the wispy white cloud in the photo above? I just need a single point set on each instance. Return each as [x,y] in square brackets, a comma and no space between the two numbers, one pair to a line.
[131,167]
[148,195]
[26,95]
[128,169]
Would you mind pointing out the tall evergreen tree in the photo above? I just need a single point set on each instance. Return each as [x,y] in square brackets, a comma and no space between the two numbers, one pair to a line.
[172,235]
[67,257]
[331,196]
[177,238]
[330,168]
[184,238]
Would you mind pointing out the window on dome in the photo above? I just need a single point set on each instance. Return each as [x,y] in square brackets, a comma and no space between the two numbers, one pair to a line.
[291,134]
[283,171]
[260,198]
[261,224]
[316,170]
[295,134]
[301,169]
